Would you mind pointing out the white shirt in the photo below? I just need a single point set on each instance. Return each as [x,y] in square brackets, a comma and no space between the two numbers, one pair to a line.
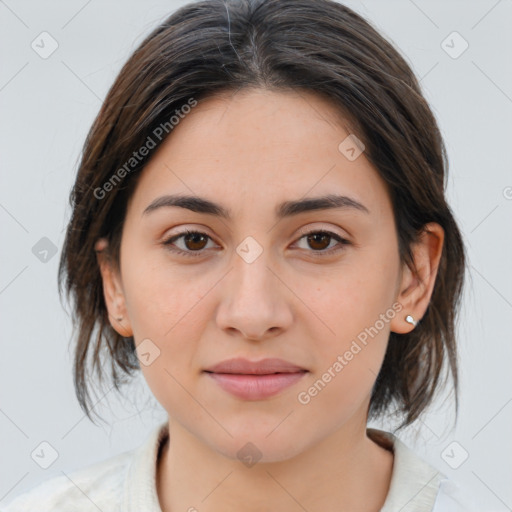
[127,483]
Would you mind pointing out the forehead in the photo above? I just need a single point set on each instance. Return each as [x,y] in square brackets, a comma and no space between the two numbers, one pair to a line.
[259,123]
[259,144]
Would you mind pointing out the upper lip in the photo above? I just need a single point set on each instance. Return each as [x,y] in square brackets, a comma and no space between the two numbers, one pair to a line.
[261,367]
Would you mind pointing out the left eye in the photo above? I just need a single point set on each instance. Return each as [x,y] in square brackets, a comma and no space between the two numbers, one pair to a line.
[195,241]
[318,239]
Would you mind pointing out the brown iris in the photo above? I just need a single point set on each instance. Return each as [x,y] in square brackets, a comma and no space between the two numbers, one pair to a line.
[320,238]
[194,239]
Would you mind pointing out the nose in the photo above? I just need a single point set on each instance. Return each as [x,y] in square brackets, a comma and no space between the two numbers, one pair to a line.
[255,303]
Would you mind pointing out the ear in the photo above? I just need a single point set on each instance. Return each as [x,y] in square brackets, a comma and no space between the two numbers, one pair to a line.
[112,290]
[415,290]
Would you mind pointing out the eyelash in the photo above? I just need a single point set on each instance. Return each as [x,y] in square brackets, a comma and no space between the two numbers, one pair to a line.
[194,254]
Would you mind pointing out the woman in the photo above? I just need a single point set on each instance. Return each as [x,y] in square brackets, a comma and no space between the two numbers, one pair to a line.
[259,225]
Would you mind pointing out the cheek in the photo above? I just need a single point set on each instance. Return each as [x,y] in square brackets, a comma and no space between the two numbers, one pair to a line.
[347,362]
[161,297]
[349,300]
[350,329]
[166,311]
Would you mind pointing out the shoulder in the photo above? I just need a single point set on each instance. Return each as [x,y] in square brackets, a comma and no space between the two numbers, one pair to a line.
[416,485]
[94,487]
[123,482]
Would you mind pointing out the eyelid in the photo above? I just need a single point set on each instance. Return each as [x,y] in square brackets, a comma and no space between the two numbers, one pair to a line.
[327,229]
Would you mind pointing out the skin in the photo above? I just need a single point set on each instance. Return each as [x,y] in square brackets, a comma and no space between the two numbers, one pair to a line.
[250,151]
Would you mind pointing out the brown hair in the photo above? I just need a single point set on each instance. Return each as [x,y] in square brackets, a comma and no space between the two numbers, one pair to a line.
[320,46]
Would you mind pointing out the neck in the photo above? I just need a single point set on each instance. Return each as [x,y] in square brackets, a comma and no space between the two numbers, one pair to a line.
[346,467]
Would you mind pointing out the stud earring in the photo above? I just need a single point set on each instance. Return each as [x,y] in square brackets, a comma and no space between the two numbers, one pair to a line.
[409,319]
[119,318]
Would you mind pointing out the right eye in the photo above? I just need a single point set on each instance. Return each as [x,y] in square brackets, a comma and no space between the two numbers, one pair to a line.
[194,243]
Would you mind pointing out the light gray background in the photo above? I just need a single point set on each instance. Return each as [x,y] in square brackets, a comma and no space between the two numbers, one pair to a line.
[47,107]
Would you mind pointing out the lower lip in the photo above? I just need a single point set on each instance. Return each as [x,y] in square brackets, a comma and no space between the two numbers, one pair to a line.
[255,387]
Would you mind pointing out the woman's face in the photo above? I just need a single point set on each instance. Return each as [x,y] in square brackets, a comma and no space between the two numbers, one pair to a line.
[253,284]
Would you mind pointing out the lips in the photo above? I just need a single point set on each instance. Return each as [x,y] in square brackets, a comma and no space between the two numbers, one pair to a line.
[255,380]
[263,367]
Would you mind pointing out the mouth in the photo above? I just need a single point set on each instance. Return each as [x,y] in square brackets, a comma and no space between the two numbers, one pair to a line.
[255,380]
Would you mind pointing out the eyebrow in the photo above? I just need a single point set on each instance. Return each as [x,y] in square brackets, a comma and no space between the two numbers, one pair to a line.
[283,210]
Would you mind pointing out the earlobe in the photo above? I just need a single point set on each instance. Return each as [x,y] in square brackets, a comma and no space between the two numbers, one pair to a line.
[112,291]
[407,319]
[416,287]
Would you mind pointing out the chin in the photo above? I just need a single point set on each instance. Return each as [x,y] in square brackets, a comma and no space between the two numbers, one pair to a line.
[255,445]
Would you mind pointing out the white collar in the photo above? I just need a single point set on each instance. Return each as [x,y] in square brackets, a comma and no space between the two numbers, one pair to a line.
[414,483]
